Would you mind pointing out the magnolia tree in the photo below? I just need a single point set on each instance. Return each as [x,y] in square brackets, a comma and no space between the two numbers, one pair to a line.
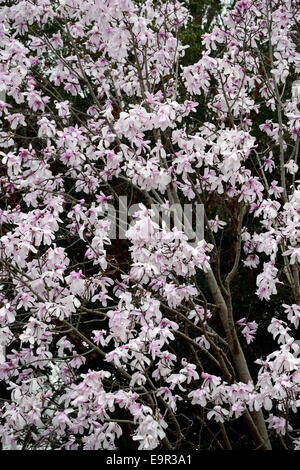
[133,335]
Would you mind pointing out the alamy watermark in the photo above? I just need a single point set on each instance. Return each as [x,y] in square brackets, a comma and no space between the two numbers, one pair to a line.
[188,218]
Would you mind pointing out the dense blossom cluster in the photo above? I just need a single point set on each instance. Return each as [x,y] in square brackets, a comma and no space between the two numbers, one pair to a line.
[95,101]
